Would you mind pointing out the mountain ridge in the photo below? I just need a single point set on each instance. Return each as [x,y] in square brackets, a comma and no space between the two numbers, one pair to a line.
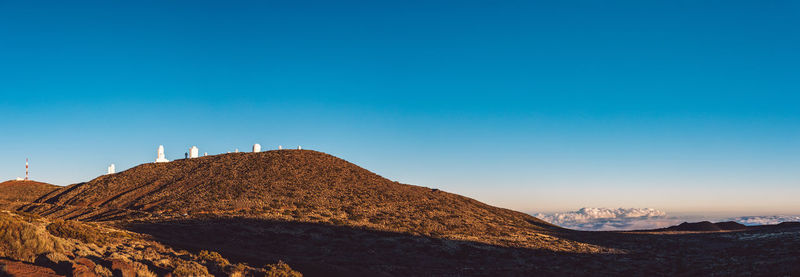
[298,185]
[24,191]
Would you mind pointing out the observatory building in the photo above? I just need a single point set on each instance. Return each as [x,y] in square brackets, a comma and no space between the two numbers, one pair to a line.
[161,158]
[256,148]
[111,169]
[194,152]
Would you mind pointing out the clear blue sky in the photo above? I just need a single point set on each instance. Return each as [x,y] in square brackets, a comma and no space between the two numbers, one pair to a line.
[686,106]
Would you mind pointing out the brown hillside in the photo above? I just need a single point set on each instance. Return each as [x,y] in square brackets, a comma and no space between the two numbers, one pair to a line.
[24,191]
[306,186]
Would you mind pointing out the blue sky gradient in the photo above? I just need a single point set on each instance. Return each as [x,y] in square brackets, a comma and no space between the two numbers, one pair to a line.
[684,106]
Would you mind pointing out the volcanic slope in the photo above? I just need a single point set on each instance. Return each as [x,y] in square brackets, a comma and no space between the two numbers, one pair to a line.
[305,186]
[24,191]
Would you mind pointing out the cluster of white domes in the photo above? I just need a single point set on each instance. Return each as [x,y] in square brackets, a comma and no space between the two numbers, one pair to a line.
[194,152]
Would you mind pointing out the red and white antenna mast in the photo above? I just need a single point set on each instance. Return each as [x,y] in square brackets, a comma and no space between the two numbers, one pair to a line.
[26,169]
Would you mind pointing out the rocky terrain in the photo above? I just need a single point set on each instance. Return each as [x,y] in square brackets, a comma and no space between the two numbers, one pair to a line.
[245,214]
[35,246]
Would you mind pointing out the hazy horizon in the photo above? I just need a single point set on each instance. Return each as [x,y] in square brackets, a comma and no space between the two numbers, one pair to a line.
[688,108]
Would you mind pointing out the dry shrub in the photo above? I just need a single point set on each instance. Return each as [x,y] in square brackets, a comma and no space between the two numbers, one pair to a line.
[237,270]
[83,232]
[57,257]
[142,270]
[213,257]
[164,262]
[281,269]
[102,271]
[29,217]
[190,269]
[23,241]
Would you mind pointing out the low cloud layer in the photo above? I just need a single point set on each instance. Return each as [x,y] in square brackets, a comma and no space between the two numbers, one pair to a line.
[764,220]
[603,219]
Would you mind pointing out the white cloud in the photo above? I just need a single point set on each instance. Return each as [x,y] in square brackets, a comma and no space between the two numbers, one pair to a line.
[603,219]
[764,220]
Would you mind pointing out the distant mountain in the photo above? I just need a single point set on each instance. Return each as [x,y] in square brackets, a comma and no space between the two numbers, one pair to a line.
[24,191]
[706,226]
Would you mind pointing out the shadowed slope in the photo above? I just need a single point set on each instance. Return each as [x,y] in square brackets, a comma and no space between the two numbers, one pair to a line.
[24,191]
[326,250]
[307,186]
